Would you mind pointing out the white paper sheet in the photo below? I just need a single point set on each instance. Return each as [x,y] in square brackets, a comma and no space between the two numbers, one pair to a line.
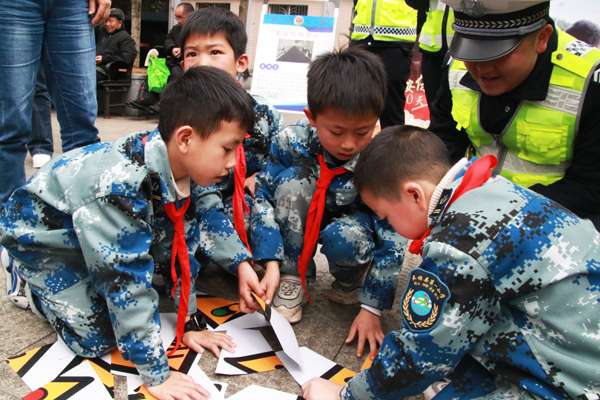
[314,365]
[248,321]
[248,342]
[255,392]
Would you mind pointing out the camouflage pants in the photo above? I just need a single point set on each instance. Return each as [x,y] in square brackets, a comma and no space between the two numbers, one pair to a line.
[77,313]
[348,241]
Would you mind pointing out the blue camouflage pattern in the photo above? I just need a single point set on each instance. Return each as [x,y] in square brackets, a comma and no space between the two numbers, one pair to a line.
[88,232]
[351,235]
[523,315]
[221,244]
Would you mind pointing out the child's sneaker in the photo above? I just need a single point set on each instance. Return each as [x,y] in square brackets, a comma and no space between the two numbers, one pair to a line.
[289,298]
[15,286]
[344,293]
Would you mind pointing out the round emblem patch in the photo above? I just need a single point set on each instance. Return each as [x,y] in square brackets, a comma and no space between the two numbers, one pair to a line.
[423,300]
[420,303]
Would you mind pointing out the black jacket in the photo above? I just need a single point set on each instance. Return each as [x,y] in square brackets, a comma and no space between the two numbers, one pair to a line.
[579,189]
[117,46]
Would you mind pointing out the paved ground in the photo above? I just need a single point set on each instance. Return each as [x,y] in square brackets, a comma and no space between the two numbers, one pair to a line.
[323,328]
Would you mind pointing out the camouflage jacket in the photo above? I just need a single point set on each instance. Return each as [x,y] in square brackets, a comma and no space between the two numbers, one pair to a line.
[103,204]
[298,145]
[509,278]
[221,244]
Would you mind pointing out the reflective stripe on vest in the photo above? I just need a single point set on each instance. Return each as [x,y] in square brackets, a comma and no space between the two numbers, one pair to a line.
[431,38]
[536,146]
[385,20]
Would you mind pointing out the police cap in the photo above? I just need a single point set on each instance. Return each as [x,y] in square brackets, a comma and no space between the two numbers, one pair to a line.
[489,29]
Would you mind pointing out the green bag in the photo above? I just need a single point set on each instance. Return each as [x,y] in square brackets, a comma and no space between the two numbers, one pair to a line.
[158,74]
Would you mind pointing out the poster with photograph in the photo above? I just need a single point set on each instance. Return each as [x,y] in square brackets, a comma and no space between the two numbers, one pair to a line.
[286,46]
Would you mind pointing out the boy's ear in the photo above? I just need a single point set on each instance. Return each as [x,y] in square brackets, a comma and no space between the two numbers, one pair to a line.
[416,193]
[309,115]
[183,137]
[241,64]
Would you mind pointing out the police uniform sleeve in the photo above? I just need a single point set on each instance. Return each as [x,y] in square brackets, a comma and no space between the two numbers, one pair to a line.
[115,241]
[219,240]
[379,286]
[267,242]
[450,302]
[579,190]
[443,124]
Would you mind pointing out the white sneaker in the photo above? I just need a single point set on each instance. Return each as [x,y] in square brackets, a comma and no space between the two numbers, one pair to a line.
[16,288]
[40,159]
[289,298]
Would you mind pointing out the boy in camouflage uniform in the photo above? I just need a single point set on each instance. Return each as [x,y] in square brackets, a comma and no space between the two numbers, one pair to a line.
[90,229]
[216,37]
[506,302]
[346,92]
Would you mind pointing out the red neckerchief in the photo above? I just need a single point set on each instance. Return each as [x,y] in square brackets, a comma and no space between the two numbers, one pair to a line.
[240,205]
[475,176]
[179,252]
[314,217]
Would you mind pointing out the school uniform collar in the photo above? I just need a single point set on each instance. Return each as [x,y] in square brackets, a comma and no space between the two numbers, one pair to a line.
[157,161]
[535,87]
[443,191]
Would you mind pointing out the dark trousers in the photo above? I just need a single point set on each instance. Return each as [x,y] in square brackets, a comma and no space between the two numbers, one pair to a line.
[431,68]
[396,59]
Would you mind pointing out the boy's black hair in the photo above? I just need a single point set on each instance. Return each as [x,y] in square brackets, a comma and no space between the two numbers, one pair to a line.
[352,81]
[203,97]
[212,20]
[399,153]
[187,7]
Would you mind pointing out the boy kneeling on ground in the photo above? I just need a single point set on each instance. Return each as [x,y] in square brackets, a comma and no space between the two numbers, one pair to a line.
[506,302]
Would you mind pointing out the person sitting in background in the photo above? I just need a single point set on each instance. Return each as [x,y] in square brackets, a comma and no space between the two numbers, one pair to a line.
[113,45]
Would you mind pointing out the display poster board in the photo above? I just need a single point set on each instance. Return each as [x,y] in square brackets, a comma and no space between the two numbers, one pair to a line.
[286,46]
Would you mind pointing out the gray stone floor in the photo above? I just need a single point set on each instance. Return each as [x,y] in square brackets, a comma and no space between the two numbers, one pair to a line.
[323,328]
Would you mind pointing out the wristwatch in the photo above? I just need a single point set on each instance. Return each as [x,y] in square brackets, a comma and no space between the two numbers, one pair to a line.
[195,323]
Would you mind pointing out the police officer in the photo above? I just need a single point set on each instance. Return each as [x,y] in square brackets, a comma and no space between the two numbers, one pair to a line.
[388,29]
[521,89]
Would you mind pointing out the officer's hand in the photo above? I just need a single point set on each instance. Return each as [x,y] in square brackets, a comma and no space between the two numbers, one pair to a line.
[176,51]
[100,9]
[248,283]
[178,386]
[212,341]
[270,282]
[250,184]
[321,389]
[367,327]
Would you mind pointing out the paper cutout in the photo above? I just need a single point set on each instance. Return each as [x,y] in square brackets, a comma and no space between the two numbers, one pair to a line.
[367,363]
[218,310]
[246,321]
[142,393]
[79,383]
[283,330]
[315,365]
[181,360]
[41,365]
[254,392]
[252,354]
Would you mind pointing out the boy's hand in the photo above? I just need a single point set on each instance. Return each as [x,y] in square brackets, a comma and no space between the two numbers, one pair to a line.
[270,282]
[213,341]
[178,386]
[248,283]
[368,328]
[321,389]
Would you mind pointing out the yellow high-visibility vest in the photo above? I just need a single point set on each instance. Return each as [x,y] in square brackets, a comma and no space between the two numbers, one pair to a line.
[386,20]
[537,144]
[431,38]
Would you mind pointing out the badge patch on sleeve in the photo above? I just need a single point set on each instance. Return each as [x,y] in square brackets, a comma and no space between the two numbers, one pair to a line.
[423,300]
